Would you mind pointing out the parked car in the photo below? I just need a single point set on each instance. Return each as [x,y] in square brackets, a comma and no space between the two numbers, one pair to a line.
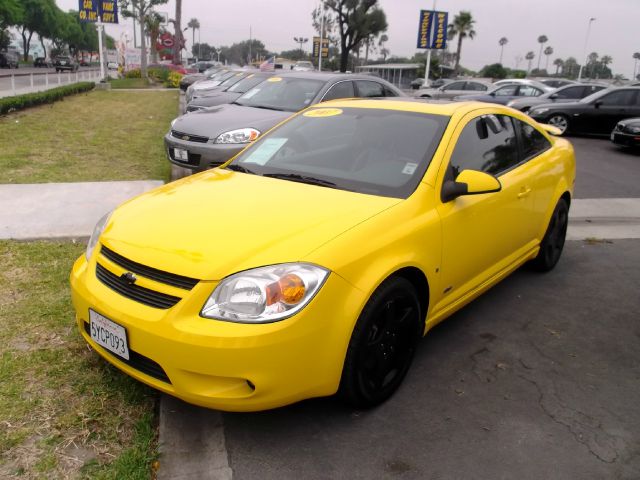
[190,79]
[504,94]
[9,59]
[568,93]
[208,138]
[201,87]
[65,63]
[453,89]
[523,81]
[627,133]
[318,258]
[416,83]
[596,114]
[201,66]
[303,66]
[228,94]
[42,62]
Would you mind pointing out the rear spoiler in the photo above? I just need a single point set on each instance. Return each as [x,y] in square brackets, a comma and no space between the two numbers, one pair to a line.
[551,129]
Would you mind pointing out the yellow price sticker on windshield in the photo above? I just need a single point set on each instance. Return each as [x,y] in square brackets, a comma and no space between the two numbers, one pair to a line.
[323,112]
[274,79]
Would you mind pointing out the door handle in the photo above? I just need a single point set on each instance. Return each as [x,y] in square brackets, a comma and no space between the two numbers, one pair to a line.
[524,192]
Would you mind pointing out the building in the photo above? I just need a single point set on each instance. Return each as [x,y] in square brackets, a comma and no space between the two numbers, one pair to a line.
[400,74]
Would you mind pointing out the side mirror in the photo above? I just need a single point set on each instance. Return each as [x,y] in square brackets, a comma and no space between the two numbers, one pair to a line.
[597,103]
[493,94]
[554,96]
[469,182]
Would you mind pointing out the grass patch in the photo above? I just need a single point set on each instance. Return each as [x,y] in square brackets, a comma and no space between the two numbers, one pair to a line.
[97,136]
[64,412]
[129,83]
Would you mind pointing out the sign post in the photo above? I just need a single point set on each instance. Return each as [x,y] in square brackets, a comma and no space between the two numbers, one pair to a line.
[432,34]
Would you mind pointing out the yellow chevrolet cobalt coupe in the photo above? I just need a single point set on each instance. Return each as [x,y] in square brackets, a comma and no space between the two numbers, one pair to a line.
[314,261]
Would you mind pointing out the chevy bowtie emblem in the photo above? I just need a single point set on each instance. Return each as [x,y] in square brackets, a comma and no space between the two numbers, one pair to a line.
[129,278]
[185,137]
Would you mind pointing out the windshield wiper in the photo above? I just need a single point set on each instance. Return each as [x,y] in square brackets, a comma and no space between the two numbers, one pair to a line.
[268,107]
[301,178]
[239,168]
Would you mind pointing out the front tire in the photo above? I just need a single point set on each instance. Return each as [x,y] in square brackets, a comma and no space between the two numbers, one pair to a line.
[553,241]
[382,345]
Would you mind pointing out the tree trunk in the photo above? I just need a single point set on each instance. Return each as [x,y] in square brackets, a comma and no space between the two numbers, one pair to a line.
[540,56]
[177,45]
[143,48]
[457,67]
[26,40]
[44,49]
[344,57]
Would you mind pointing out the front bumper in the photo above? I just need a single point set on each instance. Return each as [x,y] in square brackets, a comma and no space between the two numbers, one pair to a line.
[224,365]
[201,156]
[626,139]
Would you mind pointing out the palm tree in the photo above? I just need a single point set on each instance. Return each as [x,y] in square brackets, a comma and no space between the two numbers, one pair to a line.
[462,26]
[636,57]
[558,64]
[193,24]
[604,61]
[529,56]
[153,25]
[542,39]
[502,42]
[592,59]
[548,51]
[177,41]
[383,50]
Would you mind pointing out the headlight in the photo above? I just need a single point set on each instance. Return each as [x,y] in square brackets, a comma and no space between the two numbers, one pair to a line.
[510,103]
[538,111]
[265,294]
[242,135]
[95,236]
[173,122]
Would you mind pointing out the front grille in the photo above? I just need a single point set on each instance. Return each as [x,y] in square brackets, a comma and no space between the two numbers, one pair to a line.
[154,274]
[187,137]
[138,361]
[135,292]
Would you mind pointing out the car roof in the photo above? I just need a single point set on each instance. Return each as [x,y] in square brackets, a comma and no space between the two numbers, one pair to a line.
[326,76]
[412,105]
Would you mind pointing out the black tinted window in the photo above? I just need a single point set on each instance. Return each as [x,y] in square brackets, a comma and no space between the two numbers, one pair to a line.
[619,98]
[455,86]
[476,87]
[570,92]
[533,142]
[340,90]
[487,144]
[369,89]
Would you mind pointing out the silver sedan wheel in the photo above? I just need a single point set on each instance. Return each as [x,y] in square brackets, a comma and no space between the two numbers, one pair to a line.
[560,122]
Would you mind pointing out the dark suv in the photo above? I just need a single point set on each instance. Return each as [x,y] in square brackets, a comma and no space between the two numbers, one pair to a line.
[65,63]
[41,62]
[9,60]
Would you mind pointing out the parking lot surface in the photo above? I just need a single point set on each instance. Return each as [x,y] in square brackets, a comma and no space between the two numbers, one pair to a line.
[536,379]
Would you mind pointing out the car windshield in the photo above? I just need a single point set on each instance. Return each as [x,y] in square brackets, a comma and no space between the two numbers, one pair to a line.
[370,151]
[247,83]
[233,79]
[290,94]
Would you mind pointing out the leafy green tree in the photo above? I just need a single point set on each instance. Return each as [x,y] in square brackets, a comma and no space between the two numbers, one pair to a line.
[38,16]
[495,70]
[193,25]
[462,27]
[204,50]
[570,68]
[154,28]
[542,39]
[355,21]
[139,9]
[295,54]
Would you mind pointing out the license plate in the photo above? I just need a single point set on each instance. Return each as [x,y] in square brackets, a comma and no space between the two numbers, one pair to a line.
[180,154]
[63,63]
[108,334]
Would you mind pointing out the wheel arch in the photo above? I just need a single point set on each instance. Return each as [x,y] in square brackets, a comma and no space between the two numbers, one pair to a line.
[420,282]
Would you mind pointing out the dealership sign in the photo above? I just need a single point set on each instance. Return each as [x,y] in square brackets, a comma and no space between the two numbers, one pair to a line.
[91,10]
[432,30]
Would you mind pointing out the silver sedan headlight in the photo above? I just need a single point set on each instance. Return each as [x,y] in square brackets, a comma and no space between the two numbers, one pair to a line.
[265,294]
[241,135]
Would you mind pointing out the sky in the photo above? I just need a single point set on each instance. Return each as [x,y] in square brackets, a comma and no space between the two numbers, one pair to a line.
[615,31]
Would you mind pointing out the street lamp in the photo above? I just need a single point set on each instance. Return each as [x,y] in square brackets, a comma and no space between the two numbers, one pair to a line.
[584,52]
[301,41]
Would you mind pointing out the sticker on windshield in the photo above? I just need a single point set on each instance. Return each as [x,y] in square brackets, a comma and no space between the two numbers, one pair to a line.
[409,168]
[267,149]
[323,112]
[274,79]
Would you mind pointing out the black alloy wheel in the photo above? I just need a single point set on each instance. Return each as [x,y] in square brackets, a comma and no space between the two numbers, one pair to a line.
[382,345]
[553,241]
[560,121]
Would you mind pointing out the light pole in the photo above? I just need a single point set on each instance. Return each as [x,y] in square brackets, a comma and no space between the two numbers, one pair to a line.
[584,53]
[301,41]
[427,66]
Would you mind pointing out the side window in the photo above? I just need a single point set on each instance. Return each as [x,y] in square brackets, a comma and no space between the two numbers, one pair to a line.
[455,86]
[507,91]
[533,142]
[620,98]
[571,92]
[475,86]
[528,91]
[369,89]
[339,90]
[487,144]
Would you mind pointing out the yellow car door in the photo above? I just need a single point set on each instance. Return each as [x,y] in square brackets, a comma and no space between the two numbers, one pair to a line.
[483,234]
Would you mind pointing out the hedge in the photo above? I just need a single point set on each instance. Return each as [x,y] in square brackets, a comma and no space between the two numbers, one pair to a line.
[10,104]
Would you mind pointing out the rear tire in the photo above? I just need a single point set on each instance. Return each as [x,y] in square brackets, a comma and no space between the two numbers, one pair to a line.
[553,241]
[382,345]
[560,121]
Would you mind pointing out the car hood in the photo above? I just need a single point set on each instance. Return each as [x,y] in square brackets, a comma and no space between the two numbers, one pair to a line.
[214,121]
[218,98]
[211,225]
